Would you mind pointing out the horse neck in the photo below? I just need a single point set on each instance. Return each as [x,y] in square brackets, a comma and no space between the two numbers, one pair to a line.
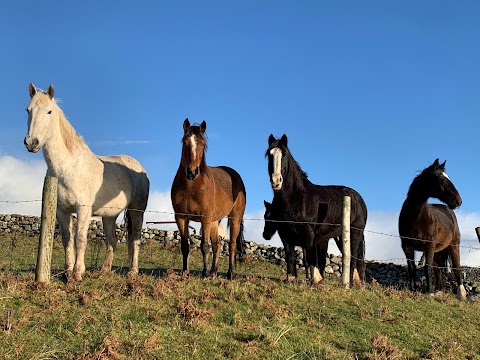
[294,180]
[415,203]
[64,147]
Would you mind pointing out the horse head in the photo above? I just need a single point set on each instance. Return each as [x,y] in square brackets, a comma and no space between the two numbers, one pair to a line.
[435,182]
[194,144]
[269,227]
[276,152]
[41,112]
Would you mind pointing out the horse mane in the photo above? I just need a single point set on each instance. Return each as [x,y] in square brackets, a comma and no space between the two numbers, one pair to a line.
[417,180]
[195,130]
[71,138]
[300,177]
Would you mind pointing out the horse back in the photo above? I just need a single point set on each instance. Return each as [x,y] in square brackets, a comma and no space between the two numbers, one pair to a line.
[229,186]
[123,173]
[332,196]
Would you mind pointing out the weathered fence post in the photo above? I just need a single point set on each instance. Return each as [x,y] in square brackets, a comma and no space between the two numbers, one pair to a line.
[477,230]
[47,229]
[346,256]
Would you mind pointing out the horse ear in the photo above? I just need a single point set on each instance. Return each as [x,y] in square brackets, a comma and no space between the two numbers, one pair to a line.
[435,163]
[50,91]
[186,124]
[271,139]
[284,140]
[203,127]
[442,165]
[267,204]
[32,90]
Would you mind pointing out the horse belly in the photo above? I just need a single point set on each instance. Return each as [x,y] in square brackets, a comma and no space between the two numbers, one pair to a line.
[110,205]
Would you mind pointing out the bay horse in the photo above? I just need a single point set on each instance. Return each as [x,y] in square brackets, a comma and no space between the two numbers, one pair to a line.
[88,185]
[311,214]
[431,228]
[206,194]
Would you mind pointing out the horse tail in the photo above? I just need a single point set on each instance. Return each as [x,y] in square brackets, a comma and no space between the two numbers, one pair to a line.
[127,220]
[241,243]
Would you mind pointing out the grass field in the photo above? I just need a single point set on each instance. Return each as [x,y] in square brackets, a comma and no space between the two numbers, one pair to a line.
[157,315]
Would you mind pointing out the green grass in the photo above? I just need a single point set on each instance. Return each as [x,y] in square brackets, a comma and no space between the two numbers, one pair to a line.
[157,315]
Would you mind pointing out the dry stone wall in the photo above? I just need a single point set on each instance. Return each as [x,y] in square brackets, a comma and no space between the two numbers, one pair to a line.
[388,274]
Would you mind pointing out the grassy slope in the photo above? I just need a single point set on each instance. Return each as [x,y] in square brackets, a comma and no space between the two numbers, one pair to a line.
[256,316]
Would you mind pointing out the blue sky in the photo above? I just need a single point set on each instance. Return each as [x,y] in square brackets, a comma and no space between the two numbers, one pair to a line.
[368,93]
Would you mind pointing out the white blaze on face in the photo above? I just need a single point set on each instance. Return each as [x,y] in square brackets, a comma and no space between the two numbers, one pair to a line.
[445,174]
[193,147]
[276,179]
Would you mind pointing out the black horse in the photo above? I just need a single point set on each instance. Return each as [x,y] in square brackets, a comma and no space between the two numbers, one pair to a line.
[431,228]
[271,227]
[309,215]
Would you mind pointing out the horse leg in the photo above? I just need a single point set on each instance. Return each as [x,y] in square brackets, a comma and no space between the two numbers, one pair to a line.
[322,249]
[305,264]
[235,225]
[313,263]
[182,224]
[110,242]
[457,271]
[357,261]
[428,269]
[67,229]
[412,270]
[291,262]
[216,247]
[204,244]
[84,214]
[134,230]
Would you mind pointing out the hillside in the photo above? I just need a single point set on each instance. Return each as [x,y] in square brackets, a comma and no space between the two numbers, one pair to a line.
[159,316]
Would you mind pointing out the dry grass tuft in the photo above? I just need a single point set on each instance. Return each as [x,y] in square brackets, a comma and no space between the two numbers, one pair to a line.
[189,311]
[382,349]
[110,349]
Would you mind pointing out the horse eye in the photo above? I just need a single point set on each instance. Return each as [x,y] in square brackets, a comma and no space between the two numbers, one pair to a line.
[49,112]
[27,110]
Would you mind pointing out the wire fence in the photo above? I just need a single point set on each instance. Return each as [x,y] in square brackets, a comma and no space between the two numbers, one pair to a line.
[395,260]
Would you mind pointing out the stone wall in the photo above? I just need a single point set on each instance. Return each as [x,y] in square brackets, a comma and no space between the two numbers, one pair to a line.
[387,274]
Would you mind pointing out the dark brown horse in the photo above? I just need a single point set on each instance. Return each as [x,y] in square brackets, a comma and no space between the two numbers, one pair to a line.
[206,194]
[310,215]
[431,228]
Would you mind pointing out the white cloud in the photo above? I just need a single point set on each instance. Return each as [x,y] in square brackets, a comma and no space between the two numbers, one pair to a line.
[21,184]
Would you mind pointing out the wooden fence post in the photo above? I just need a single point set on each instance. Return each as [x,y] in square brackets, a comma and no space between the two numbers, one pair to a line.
[477,230]
[47,229]
[346,256]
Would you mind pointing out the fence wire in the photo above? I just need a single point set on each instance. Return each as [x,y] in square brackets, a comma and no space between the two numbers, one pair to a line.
[394,261]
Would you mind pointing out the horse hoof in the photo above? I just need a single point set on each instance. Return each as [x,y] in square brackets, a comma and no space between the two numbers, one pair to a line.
[205,273]
[461,293]
[185,274]
[230,275]
[290,279]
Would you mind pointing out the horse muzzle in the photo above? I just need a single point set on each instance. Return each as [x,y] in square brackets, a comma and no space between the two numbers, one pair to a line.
[31,144]
[276,182]
[276,186]
[192,174]
[456,204]
[267,236]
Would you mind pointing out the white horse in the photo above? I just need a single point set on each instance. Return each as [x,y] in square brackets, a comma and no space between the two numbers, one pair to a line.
[88,185]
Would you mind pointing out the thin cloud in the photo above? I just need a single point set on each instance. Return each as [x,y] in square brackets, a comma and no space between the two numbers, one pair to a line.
[123,142]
